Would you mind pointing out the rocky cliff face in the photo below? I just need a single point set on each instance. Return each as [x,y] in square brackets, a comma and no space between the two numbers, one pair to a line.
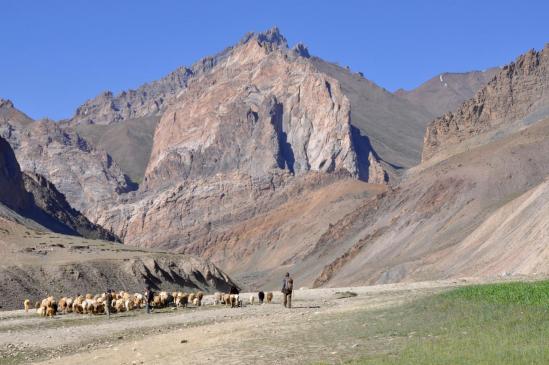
[264,108]
[33,197]
[257,120]
[12,188]
[87,177]
[61,217]
[517,96]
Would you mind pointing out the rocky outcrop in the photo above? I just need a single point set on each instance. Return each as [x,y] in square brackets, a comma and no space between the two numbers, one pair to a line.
[9,114]
[517,96]
[67,220]
[12,122]
[148,99]
[33,197]
[12,188]
[88,178]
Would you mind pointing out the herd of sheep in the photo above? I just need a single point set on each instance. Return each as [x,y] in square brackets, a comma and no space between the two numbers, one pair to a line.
[125,302]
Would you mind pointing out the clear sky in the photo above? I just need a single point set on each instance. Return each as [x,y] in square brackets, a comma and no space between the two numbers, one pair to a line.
[56,54]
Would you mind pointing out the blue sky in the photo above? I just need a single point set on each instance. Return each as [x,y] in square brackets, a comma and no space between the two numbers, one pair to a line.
[56,54]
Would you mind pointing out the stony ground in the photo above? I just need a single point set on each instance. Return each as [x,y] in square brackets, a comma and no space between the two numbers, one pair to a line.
[325,325]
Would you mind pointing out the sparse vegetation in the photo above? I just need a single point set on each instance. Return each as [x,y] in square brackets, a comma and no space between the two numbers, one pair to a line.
[485,324]
[345,294]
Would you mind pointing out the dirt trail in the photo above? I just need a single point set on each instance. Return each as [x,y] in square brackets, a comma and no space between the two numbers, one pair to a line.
[319,327]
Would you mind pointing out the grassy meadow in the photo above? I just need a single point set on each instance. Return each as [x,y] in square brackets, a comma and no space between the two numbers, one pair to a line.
[485,324]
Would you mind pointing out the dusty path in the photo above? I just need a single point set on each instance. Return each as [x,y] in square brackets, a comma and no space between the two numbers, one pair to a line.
[321,326]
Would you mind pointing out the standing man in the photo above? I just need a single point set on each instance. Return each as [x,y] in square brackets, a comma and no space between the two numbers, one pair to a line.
[149,295]
[108,301]
[287,288]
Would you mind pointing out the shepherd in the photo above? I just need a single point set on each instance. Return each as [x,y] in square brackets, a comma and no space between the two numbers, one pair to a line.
[149,296]
[287,288]
[108,302]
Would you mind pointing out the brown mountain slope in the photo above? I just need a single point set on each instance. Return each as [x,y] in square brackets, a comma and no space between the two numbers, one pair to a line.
[36,263]
[447,91]
[250,231]
[128,142]
[260,130]
[264,132]
[476,208]
[448,219]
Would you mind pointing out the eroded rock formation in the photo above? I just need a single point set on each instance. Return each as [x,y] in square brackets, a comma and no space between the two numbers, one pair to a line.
[517,96]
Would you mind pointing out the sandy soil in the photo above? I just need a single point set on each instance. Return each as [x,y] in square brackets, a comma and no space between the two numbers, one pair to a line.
[320,327]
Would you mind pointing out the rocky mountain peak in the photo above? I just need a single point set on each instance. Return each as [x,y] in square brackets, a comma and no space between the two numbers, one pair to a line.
[255,112]
[271,38]
[148,99]
[154,97]
[10,114]
[5,103]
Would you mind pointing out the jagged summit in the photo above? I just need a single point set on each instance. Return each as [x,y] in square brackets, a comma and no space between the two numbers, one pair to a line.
[6,103]
[152,98]
[271,36]
[302,50]
[147,99]
[10,114]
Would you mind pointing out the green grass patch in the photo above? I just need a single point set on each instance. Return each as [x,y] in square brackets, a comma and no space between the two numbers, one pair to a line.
[486,324]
